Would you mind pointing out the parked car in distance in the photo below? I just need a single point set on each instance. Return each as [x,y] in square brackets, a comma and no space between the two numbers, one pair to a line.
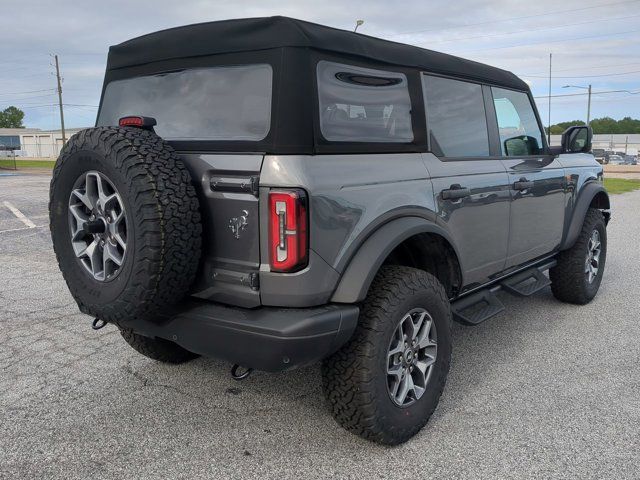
[615,159]
[630,160]
[599,155]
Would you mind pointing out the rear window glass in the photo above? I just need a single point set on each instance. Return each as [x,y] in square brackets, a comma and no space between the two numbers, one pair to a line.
[220,103]
[363,105]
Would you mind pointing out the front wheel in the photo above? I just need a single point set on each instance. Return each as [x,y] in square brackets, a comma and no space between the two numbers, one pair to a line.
[385,383]
[577,276]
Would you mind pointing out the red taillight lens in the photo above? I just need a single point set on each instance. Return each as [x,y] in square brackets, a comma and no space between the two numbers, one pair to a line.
[137,121]
[288,248]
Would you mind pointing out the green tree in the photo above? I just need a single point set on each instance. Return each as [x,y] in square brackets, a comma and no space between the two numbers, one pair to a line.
[11,117]
[604,125]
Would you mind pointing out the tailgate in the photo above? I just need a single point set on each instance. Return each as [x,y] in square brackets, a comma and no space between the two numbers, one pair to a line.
[228,191]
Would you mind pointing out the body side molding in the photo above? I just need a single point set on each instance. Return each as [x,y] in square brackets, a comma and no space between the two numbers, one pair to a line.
[588,192]
[362,268]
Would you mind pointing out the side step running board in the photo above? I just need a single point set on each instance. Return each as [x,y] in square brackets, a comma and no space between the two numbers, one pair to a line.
[477,307]
[526,283]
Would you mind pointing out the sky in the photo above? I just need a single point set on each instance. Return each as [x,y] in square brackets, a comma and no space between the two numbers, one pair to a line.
[593,42]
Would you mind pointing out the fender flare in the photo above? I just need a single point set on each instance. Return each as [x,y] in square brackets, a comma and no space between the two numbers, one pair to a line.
[357,277]
[585,198]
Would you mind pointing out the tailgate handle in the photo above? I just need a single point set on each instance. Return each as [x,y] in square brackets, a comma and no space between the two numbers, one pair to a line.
[237,184]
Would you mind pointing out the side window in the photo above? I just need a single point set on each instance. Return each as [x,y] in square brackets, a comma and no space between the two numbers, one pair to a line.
[456,120]
[363,105]
[520,133]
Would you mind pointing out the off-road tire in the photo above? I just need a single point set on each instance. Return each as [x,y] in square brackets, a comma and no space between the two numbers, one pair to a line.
[354,378]
[163,223]
[157,348]
[568,280]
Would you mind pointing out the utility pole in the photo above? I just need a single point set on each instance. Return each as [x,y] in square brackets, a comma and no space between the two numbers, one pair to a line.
[549,121]
[64,136]
[589,107]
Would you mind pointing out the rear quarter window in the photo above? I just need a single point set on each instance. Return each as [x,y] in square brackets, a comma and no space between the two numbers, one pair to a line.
[363,105]
[218,103]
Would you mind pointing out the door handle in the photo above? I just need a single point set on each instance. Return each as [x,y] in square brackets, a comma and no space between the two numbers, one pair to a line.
[523,184]
[455,192]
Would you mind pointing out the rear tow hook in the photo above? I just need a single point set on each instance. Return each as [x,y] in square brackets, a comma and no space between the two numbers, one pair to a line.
[97,324]
[242,375]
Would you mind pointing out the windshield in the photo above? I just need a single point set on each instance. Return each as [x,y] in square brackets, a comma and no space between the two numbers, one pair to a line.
[219,103]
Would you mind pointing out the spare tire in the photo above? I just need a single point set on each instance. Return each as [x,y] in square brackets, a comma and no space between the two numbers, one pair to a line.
[125,224]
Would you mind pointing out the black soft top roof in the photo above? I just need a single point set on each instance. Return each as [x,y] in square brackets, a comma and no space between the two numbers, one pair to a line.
[254,34]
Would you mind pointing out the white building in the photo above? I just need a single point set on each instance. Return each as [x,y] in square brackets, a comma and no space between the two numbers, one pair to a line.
[33,142]
[36,143]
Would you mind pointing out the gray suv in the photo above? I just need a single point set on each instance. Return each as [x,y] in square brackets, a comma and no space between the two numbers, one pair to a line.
[275,193]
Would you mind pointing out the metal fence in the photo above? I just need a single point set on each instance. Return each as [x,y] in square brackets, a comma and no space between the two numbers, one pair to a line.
[39,149]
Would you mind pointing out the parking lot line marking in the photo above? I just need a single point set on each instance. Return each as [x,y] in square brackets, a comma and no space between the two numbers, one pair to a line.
[23,228]
[19,215]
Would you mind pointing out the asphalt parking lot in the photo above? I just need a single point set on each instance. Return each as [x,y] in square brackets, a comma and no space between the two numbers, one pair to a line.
[545,390]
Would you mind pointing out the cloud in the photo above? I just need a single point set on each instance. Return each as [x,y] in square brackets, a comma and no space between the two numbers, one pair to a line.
[585,42]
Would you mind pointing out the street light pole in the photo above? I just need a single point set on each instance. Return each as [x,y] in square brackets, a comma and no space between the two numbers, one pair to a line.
[588,101]
[358,23]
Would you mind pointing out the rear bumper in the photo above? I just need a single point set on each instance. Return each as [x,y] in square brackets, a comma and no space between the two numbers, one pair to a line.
[269,339]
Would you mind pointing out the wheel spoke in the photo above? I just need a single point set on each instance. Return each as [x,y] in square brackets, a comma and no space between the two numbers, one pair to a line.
[419,323]
[80,219]
[111,253]
[121,242]
[82,196]
[112,200]
[425,363]
[406,385]
[100,187]
[425,340]
[395,371]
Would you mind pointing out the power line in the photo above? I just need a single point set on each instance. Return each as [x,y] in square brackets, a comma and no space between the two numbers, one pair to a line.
[594,93]
[31,91]
[599,20]
[572,10]
[585,76]
[19,100]
[552,41]
[580,68]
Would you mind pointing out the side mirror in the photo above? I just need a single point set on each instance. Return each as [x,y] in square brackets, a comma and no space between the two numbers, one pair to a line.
[577,139]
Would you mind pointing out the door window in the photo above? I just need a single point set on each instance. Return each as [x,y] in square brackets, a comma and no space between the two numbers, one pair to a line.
[456,118]
[520,133]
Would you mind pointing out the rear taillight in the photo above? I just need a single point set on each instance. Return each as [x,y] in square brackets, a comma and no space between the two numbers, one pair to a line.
[136,121]
[288,247]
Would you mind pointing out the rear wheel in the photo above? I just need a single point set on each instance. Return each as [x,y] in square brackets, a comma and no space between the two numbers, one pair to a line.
[385,383]
[577,276]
